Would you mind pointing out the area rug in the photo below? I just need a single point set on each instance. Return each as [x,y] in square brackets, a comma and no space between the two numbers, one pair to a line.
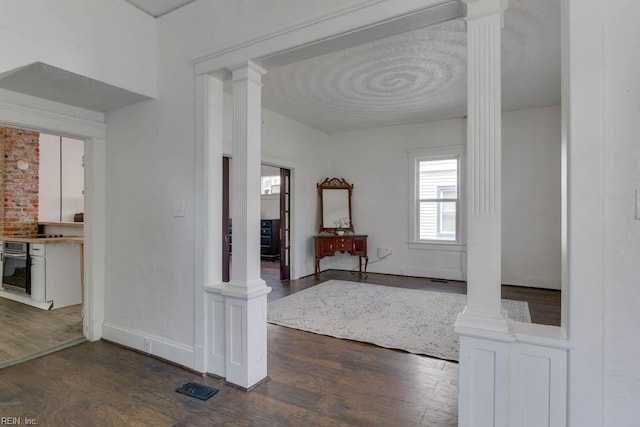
[417,321]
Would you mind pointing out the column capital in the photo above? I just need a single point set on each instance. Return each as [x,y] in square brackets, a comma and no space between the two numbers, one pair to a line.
[247,71]
[482,8]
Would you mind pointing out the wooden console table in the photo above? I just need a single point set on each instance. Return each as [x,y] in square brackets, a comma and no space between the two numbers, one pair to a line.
[354,244]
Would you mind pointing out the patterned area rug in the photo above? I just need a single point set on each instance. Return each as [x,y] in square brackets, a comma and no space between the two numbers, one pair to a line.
[416,321]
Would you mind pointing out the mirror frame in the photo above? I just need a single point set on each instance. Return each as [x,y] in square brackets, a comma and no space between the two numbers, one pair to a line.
[334,184]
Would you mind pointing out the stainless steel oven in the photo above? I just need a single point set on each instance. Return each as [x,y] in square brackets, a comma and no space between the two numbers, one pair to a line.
[16,271]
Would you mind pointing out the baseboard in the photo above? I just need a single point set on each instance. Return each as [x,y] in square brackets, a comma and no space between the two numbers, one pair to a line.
[532,282]
[157,346]
[452,275]
[434,273]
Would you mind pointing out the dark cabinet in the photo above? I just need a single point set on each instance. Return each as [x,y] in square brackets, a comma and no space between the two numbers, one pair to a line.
[354,244]
[270,239]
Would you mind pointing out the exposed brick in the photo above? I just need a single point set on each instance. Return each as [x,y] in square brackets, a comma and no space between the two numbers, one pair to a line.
[19,207]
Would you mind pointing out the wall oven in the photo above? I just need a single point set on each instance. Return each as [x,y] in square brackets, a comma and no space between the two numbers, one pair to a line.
[16,269]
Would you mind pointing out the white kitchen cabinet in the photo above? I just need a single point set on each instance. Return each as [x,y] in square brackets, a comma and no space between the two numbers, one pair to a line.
[61,178]
[38,272]
[49,178]
[72,172]
[56,270]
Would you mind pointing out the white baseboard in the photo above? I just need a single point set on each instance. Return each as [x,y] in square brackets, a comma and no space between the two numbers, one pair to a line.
[433,273]
[161,347]
[532,282]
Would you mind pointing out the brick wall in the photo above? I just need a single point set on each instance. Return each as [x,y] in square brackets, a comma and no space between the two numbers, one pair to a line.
[19,188]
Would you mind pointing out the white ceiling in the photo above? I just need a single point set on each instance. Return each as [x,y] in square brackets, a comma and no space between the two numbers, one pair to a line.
[411,77]
[157,8]
[419,75]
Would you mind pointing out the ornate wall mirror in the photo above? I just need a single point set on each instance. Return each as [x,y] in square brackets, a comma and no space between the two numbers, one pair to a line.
[335,205]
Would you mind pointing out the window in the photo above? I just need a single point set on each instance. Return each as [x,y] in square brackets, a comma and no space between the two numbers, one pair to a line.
[435,205]
[447,211]
[270,184]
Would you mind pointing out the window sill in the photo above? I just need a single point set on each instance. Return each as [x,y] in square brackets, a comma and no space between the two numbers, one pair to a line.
[449,247]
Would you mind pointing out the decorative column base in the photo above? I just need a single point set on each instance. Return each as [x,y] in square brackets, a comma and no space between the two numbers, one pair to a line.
[483,368]
[511,378]
[245,336]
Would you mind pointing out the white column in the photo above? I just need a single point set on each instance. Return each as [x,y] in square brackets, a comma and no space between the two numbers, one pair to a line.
[246,293]
[484,331]
[94,237]
[247,123]
[484,170]
[209,305]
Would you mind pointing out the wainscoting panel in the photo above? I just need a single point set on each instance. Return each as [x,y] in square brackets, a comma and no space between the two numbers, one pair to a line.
[217,337]
[484,374]
[538,384]
[514,379]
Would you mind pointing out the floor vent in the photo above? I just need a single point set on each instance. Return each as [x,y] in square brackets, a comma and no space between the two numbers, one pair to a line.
[196,390]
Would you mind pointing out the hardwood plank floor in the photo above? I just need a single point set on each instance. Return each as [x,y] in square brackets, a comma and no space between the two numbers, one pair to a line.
[28,332]
[314,379]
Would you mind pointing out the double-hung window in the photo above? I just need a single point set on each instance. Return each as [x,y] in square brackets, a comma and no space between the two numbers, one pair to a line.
[435,196]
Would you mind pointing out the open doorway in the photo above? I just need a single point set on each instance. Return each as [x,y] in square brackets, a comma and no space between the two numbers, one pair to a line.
[275,220]
[41,220]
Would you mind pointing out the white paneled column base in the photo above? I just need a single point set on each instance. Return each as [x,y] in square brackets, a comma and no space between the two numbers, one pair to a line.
[246,338]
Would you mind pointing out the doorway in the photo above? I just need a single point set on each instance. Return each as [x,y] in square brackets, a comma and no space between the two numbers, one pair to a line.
[43,174]
[275,220]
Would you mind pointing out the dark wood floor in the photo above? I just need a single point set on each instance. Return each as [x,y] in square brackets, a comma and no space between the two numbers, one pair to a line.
[314,379]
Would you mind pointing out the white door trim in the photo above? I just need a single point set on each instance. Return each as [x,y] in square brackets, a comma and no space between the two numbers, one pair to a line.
[26,112]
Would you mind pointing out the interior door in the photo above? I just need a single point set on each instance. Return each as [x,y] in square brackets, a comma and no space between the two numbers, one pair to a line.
[285,224]
[226,222]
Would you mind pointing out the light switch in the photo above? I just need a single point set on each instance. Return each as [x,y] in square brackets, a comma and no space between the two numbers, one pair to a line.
[637,204]
[178,208]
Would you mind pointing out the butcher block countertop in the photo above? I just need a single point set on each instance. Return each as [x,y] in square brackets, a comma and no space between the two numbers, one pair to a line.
[27,239]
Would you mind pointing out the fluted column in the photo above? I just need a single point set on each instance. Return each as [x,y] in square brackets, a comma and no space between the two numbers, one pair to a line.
[209,332]
[246,293]
[247,122]
[485,341]
[484,167]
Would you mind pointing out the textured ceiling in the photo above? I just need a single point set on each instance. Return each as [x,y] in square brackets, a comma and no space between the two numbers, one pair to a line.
[419,75]
[52,83]
[157,8]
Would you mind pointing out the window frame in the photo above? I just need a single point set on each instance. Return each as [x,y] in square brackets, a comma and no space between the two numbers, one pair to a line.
[439,212]
[430,154]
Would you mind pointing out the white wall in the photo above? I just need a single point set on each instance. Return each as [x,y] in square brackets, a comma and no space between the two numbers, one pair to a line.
[621,229]
[298,147]
[376,162]
[150,253]
[531,197]
[109,41]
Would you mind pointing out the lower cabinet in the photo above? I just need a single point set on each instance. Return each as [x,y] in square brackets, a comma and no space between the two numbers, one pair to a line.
[56,273]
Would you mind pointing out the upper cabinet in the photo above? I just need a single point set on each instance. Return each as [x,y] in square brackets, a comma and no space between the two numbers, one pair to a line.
[61,178]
